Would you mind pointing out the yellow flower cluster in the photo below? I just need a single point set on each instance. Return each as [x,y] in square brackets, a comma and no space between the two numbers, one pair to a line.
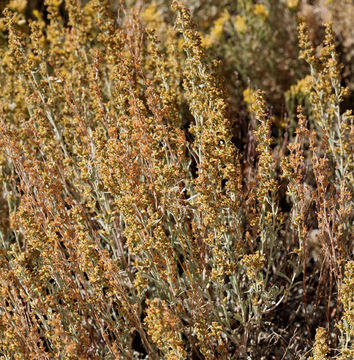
[151,16]
[292,4]
[216,31]
[303,86]
[261,11]
[321,348]
[255,264]
[240,24]
[209,336]
[249,96]
[18,5]
[163,327]
[346,324]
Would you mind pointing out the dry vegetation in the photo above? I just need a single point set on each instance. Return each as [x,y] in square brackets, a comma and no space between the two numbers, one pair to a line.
[176,180]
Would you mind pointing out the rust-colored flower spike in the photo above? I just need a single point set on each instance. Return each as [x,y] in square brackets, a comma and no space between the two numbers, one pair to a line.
[307,50]
[55,34]
[267,185]
[16,41]
[293,168]
[216,191]
[333,160]
[53,261]
[217,187]
[326,97]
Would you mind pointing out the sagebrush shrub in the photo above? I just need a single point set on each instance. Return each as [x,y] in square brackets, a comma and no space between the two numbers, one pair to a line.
[154,203]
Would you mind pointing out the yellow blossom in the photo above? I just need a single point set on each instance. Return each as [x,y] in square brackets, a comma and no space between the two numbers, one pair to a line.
[254,264]
[261,11]
[207,41]
[321,348]
[240,24]
[151,15]
[163,327]
[249,96]
[219,23]
[18,5]
[36,14]
[278,121]
[303,86]
[292,4]
[180,44]
[55,3]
